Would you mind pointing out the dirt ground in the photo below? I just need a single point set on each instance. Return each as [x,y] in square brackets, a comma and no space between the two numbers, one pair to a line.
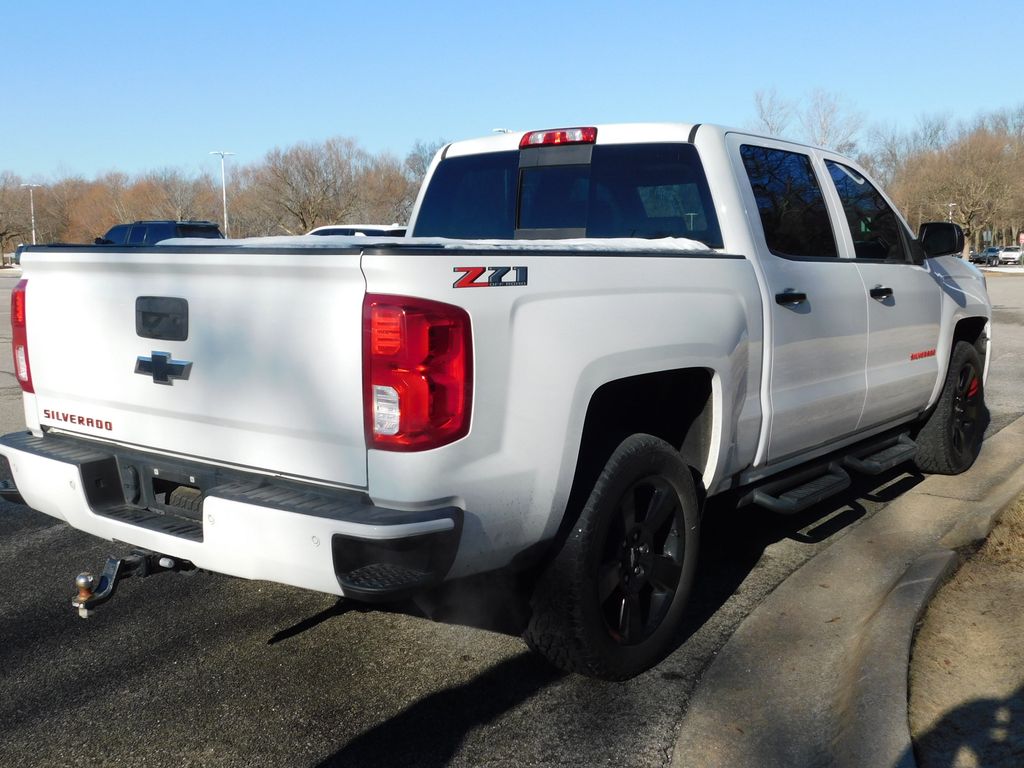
[967,667]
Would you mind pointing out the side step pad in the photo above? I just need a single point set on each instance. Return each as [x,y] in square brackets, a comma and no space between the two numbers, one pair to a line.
[884,459]
[800,497]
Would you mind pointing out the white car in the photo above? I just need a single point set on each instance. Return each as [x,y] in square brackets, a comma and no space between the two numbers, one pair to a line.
[1010,255]
[360,230]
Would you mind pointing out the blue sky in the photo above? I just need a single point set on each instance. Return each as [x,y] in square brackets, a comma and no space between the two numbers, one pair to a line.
[137,86]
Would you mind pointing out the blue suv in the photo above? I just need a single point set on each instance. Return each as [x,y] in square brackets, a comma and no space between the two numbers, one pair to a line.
[152,232]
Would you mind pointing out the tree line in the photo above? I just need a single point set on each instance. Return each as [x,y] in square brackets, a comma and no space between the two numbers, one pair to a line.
[971,172]
[288,192]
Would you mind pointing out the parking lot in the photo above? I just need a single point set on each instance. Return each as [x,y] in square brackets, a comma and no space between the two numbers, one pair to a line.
[206,670]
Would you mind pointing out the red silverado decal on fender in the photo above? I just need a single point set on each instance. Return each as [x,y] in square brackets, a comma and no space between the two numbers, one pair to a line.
[72,418]
[471,278]
[921,355]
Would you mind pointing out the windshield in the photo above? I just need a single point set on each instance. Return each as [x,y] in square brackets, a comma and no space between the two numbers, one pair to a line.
[626,190]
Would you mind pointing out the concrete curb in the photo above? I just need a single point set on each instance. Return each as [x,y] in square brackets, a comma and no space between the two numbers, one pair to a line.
[876,731]
[817,674]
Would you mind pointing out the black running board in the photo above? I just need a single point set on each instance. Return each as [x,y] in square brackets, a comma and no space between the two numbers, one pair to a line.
[788,499]
[795,492]
[898,451]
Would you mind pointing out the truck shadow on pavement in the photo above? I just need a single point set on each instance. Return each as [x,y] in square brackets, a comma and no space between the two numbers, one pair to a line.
[430,732]
[987,732]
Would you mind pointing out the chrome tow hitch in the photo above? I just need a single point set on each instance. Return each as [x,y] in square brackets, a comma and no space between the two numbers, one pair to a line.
[93,592]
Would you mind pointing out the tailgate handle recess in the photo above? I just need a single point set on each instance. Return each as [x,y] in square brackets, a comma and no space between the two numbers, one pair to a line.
[162,318]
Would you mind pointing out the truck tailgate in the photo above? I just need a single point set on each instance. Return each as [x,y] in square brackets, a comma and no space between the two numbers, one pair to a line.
[273,341]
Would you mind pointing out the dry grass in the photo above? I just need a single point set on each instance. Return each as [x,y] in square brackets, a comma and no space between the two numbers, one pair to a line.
[967,671]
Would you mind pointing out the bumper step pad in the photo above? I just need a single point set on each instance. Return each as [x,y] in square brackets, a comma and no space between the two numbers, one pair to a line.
[385,577]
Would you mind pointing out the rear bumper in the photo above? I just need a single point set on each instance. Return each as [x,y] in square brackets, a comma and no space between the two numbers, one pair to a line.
[242,524]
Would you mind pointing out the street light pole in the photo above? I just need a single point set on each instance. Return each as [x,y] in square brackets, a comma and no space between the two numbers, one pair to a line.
[32,208]
[223,186]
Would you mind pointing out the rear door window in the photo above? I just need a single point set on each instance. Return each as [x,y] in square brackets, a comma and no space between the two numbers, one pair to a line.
[790,202]
[138,235]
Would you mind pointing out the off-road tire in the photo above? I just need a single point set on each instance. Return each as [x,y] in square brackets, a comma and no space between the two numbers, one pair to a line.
[950,439]
[610,603]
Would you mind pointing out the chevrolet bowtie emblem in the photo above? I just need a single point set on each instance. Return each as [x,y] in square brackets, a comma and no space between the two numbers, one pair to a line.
[162,368]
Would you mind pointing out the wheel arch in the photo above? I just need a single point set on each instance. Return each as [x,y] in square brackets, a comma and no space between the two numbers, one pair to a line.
[972,330]
[676,406]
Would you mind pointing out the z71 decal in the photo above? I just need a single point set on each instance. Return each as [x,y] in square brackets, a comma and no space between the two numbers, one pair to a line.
[475,277]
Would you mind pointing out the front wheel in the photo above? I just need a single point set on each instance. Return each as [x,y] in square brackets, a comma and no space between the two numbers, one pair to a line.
[610,603]
[950,439]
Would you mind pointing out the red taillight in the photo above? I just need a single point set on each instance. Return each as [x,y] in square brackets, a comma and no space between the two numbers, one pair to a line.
[559,136]
[417,372]
[19,337]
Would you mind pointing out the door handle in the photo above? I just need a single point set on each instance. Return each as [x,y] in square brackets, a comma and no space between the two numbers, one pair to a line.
[881,292]
[789,298]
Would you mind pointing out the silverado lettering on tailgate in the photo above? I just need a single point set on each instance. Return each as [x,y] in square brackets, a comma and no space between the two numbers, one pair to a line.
[74,418]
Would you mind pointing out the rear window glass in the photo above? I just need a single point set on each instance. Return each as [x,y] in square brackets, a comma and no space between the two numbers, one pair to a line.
[337,231]
[627,190]
[554,197]
[471,197]
[197,230]
[117,234]
[160,231]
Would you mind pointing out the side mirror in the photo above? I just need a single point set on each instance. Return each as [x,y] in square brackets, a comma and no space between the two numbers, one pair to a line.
[941,238]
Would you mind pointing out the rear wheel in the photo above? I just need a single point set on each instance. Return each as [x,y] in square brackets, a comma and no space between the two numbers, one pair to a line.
[611,602]
[950,440]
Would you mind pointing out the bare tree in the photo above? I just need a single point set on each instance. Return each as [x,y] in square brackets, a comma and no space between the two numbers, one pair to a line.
[385,191]
[312,183]
[774,113]
[828,122]
[55,207]
[418,161]
[170,194]
[416,165]
[14,215]
[974,173]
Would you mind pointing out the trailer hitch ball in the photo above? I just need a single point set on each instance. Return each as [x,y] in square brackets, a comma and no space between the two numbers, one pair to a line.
[93,592]
[85,583]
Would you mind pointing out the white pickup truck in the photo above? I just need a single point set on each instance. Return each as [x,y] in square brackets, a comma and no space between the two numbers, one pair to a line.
[587,333]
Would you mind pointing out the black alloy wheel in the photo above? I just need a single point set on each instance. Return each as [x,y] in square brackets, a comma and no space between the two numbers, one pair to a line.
[610,604]
[950,439]
[643,560]
[966,407]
